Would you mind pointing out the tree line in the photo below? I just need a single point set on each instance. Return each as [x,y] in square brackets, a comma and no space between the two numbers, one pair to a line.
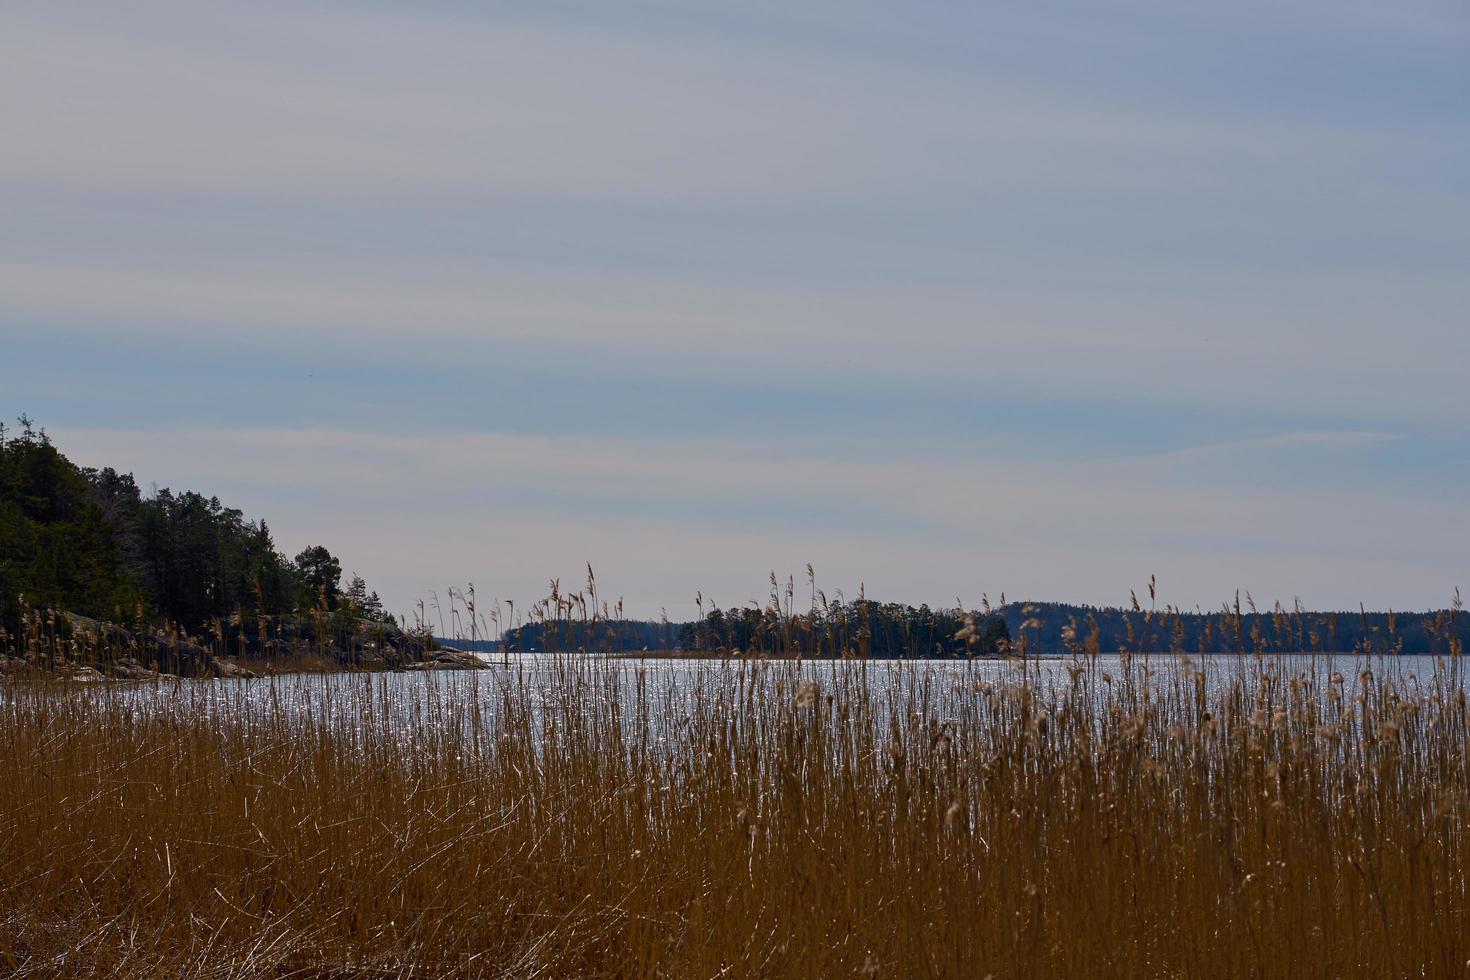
[859,628]
[90,541]
[887,630]
[1238,626]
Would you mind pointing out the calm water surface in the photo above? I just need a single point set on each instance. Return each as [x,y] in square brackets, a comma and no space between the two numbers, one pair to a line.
[413,697]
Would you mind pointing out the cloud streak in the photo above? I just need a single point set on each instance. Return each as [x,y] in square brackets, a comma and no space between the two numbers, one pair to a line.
[241,100]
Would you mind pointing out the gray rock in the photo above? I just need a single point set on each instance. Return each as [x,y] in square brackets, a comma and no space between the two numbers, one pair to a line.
[131,670]
[223,668]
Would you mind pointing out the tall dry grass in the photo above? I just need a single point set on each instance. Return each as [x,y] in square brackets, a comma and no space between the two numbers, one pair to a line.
[598,818]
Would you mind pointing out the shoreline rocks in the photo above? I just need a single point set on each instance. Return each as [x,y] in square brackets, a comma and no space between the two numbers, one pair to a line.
[448,658]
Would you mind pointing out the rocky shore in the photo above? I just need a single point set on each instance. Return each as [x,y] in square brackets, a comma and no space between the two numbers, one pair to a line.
[83,649]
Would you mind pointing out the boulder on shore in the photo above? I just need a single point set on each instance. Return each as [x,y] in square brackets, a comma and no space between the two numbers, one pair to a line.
[223,668]
[131,670]
[448,658]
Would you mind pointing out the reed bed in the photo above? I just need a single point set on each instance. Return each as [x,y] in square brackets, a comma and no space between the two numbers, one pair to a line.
[590,817]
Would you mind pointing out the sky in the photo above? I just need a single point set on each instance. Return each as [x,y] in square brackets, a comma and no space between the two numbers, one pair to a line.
[945,299]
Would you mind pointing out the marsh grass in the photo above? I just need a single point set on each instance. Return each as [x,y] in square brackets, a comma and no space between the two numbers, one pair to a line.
[603,818]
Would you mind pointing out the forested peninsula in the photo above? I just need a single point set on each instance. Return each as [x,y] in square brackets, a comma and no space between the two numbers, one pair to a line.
[173,581]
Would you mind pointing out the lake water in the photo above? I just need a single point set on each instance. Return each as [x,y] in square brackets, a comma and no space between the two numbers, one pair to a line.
[412,697]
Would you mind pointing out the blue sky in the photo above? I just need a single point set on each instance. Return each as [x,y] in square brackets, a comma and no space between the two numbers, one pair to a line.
[1040,298]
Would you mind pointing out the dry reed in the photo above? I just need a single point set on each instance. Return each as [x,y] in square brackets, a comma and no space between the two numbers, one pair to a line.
[589,817]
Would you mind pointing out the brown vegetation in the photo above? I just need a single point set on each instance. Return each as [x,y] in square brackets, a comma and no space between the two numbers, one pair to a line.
[601,818]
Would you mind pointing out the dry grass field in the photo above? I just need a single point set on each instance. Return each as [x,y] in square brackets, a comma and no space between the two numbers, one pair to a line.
[596,818]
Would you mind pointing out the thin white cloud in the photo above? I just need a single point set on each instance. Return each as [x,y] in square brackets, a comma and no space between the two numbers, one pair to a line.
[295,101]
[1333,440]
[1100,342]
[1423,20]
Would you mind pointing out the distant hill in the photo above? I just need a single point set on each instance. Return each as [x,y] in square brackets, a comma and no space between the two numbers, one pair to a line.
[1234,629]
